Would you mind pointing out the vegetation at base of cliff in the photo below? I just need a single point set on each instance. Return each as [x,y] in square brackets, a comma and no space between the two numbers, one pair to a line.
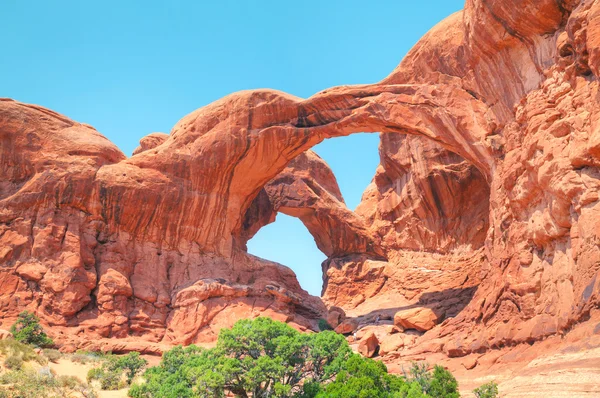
[27,330]
[117,372]
[265,358]
[23,377]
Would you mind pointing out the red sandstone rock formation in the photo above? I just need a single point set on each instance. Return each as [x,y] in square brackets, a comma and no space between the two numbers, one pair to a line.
[485,204]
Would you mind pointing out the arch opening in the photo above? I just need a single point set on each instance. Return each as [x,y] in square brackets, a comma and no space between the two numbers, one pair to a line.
[422,198]
[344,167]
[288,242]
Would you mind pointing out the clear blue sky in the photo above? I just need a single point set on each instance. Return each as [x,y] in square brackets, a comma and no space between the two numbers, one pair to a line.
[130,68]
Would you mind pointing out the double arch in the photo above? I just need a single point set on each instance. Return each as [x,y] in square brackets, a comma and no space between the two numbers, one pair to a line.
[233,147]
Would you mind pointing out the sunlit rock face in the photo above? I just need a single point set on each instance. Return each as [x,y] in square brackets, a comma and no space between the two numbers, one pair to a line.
[484,208]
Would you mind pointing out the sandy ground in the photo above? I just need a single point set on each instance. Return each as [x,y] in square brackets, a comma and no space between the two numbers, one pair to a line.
[65,367]
[68,368]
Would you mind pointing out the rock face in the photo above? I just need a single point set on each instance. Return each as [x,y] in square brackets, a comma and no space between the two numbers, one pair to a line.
[485,205]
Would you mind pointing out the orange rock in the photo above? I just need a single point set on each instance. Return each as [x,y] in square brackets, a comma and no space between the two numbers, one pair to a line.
[368,345]
[333,318]
[469,363]
[347,326]
[419,318]
[391,343]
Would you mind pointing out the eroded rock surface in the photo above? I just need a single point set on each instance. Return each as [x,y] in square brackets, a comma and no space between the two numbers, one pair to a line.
[485,204]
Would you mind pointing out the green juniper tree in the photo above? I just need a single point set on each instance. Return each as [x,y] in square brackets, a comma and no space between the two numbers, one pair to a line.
[264,358]
[27,330]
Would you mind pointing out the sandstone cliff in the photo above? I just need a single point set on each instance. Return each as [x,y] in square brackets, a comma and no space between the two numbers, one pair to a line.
[484,209]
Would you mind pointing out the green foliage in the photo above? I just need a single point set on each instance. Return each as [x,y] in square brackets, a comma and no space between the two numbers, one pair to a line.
[94,374]
[109,379]
[132,364]
[324,325]
[412,390]
[27,329]
[110,373]
[13,362]
[264,358]
[259,358]
[363,377]
[488,390]
[42,384]
[443,384]
[418,373]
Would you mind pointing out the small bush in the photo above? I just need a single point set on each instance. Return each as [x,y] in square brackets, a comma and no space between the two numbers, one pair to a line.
[81,358]
[112,381]
[324,325]
[70,382]
[488,390]
[443,384]
[13,362]
[109,376]
[27,330]
[52,355]
[132,364]
[94,374]
[84,357]
[418,373]
[110,373]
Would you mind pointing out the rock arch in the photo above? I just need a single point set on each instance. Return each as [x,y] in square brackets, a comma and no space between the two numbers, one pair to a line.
[233,147]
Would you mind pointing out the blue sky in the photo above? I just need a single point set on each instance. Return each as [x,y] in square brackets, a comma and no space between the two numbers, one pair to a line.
[132,67]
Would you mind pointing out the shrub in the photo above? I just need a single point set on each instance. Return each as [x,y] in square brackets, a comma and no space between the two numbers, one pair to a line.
[110,373]
[132,364]
[419,373]
[70,382]
[52,355]
[363,377]
[27,329]
[443,384]
[324,325]
[265,358]
[488,390]
[108,379]
[439,384]
[13,362]
[94,374]
[81,358]
[85,357]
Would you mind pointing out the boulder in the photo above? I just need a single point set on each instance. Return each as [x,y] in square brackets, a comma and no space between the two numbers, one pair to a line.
[347,326]
[391,343]
[418,318]
[368,345]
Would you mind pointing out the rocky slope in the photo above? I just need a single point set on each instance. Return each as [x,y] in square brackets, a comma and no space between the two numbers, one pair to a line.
[482,219]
